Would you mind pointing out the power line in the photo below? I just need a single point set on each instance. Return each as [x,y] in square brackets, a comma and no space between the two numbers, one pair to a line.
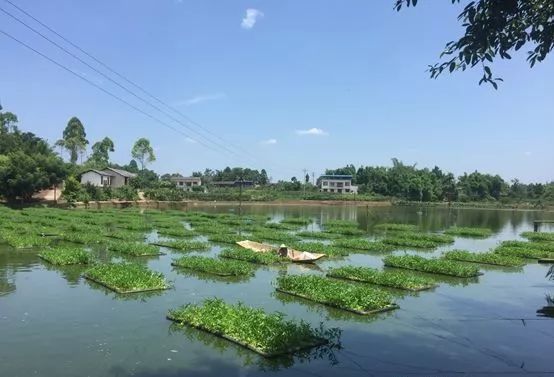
[115,82]
[99,87]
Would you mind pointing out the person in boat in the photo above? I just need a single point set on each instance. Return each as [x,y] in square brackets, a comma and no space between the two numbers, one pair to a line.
[283,251]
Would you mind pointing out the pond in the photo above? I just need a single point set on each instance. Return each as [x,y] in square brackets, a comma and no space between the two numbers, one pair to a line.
[53,323]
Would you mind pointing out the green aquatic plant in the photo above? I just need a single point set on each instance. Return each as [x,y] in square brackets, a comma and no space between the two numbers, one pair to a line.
[226,238]
[268,334]
[362,244]
[539,236]
[469,232]
[318,235]
[484,258]
[318,247]
[544,246]
[280,237]
[401,241]
[280,226]
[125,235]
[251,256]
[356,298]
[344,231]
[135,249]
[63,256]
[433,266]
[24,240]
[396,227]
[523,252]
[214,266]
[83,238]
[393,279]
[184,245]
[126,277]
[177,232]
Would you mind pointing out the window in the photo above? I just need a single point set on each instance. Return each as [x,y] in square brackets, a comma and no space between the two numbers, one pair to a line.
[340,191]
[346,184]
[346,190]
[180,183]
[332,184]
[340,184]
[325,183]
[105,180]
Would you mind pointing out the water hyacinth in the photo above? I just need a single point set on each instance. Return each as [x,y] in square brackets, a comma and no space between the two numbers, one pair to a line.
[539,236]
[214,266]
[544,246]
[362,244]
[396,227]
[184,245]
[393,279]
[469,232]
[355,298]
[135,249]
[126,277]
[268,334]
[345,231]
[484,258]
[226,238]
[297,220]
[280,237]
[83,238]
[63,256]
[317,235]
[280,226]
[523,252]
[125,235]
[24,241]
[251,256]
[402,241]
[318,247]
[177,232]
[433,266]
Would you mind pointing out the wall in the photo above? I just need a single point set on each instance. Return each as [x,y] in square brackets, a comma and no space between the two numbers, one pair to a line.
[92,178]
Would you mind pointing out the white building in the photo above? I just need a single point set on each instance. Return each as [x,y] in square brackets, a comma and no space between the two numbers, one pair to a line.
[340,184]
[187,183]
[107,177]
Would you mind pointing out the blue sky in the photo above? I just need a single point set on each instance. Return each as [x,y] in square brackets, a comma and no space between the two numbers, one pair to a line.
[295,84]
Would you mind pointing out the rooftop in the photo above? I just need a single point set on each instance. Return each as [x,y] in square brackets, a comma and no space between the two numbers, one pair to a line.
[338,176]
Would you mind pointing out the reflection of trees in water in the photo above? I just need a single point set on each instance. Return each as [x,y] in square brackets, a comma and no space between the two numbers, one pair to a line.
[12,261]
[7,282]
[250,358]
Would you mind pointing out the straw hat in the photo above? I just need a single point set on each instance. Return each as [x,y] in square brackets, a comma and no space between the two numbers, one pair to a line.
[282,245]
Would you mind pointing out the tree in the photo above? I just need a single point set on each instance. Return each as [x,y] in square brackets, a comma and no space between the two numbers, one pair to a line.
[494,29]
[7,121]
[143,152]
[264,179]
[74,139]
[27,164]
[101,152]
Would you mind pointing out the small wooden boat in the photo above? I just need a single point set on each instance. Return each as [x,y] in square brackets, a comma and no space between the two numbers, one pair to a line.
[294,255]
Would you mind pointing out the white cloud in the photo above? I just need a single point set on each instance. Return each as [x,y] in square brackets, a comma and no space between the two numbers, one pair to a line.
[190,140]
[199,99]
[252,16]
[269,141]
[312,131]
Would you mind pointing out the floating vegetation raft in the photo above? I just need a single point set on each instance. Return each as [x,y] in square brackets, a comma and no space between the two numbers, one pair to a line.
[345,231]
[184,245]
[484,258]
[469,232]
[177,232]
[135,249]
[419,240]
[83,238]
[126,235]
[318,247]
[433,266]
[538,236]
[268,334]
[317,235]
[24,241]
[355,298]
[399,280]
[226,238]
[362,244]
[126,277]
[544,246]
[251,256]
[215,266]
[396,227]
[63,256]
[523,252]
[272,235]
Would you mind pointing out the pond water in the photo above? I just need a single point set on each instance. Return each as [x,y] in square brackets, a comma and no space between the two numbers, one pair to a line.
[54,323]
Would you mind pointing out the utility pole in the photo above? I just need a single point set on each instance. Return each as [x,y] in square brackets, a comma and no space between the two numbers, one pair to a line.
[241,181]
[305,171]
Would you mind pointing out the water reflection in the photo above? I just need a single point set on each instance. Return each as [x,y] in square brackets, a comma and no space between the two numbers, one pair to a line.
[249,358]
[548,310]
